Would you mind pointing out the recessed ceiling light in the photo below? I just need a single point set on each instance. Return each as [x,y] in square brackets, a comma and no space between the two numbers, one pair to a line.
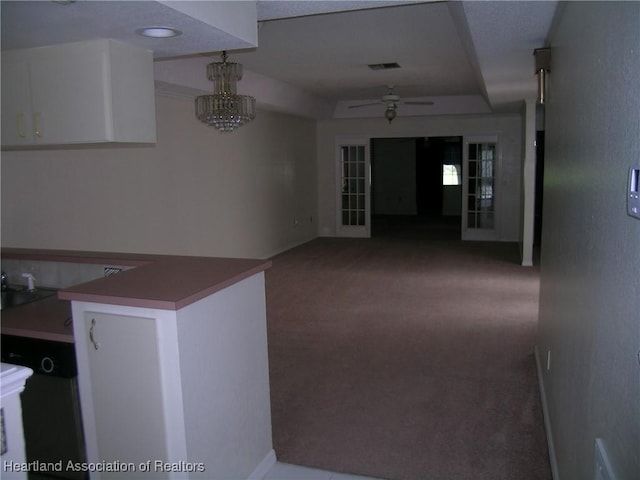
[159,32]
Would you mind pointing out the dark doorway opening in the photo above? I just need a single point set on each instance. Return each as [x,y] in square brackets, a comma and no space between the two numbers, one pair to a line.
[416,186]
[537,224]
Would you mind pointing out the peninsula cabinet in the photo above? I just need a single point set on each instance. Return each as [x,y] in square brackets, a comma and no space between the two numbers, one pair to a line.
[176,394]
[86,92]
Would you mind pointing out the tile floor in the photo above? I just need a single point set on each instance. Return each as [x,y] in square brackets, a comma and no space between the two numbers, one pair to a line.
[284,471]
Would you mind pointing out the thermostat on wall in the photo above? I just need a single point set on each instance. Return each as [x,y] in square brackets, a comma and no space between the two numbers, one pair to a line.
[633,194]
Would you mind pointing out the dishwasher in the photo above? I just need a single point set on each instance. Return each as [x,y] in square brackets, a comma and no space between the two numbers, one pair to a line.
[50,406]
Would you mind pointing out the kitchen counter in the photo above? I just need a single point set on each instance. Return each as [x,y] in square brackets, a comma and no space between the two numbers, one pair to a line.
[167,283]
[162,282]
[46,319]
[141,331]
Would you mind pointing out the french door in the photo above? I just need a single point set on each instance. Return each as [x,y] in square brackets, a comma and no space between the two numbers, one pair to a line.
[479,192]
[353,182]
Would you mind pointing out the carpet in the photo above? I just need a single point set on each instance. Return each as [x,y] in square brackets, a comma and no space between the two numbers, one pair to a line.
[406,356]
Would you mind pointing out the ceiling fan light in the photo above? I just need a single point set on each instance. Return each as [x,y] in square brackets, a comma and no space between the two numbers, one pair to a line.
[390,113]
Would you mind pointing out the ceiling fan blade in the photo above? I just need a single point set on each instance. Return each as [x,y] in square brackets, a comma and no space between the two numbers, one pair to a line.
[418,103]
[363,105]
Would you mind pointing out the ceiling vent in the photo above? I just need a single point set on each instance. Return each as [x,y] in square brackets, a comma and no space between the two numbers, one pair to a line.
[384,66]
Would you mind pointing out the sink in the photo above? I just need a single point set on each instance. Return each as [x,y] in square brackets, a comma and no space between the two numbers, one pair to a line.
[14,297]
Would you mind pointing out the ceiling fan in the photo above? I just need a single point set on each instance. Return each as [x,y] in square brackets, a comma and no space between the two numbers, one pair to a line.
[392,100]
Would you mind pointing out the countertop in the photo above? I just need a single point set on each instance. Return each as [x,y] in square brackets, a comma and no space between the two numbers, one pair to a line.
[165,282]
[47,319]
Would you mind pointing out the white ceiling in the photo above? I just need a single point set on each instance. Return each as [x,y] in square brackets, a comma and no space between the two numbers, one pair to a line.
[467,57]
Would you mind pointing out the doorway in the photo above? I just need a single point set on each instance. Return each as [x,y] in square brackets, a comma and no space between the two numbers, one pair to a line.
[537,226]
[537,237]
[416,186]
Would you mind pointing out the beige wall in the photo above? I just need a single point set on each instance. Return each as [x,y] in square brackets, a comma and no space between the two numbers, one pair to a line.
[196,192]
[590,283]
[507,127]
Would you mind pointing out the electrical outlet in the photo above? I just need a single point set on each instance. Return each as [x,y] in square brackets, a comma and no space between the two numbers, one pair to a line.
[111,271]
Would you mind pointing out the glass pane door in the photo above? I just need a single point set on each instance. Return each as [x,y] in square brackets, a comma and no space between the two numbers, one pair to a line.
[479,219]
[353,185]
[353,189]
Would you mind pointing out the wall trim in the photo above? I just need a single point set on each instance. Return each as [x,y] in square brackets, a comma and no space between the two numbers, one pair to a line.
[287,247]
[264,466]
[547,421]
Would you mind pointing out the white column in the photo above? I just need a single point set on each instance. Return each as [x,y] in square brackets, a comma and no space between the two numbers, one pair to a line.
[12,380]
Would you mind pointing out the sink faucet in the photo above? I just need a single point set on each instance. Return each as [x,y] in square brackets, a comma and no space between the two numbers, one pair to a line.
[4,281]
[30,278]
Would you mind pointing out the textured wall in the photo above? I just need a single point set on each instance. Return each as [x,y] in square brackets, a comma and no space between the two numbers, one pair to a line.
[196,192]
[590,287]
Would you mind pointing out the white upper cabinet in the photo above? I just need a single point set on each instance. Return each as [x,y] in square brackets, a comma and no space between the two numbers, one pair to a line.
[87,92]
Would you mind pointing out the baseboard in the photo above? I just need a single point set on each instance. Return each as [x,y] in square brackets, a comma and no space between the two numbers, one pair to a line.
[264,466]
[547,421]
[286,248]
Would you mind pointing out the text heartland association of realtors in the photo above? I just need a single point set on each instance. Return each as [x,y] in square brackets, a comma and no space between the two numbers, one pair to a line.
[115,466]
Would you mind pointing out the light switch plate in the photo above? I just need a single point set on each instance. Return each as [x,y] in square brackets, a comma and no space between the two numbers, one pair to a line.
[633,192]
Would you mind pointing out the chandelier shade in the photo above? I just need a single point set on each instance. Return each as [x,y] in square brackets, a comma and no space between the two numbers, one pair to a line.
[225,110]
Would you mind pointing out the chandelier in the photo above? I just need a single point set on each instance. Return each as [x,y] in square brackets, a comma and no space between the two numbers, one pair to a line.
[225,109]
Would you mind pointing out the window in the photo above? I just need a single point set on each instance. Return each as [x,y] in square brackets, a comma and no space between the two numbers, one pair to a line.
[451,174]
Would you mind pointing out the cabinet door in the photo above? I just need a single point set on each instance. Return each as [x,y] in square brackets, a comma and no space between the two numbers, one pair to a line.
[126,389]
[69,94]
[16,102]
[85,92]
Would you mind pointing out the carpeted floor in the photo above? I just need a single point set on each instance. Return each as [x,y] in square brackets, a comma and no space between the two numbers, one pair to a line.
[407,356]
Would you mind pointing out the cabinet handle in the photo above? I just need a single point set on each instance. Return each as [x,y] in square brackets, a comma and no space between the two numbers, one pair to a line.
[20,125]
[36,121]
[96,345]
